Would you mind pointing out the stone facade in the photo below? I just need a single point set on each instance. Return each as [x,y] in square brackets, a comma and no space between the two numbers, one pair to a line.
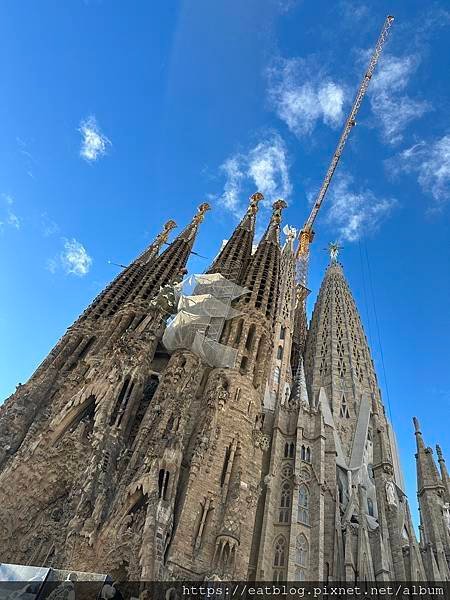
[119,457]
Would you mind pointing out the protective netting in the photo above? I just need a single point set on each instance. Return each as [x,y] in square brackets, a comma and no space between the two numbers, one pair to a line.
[203,305]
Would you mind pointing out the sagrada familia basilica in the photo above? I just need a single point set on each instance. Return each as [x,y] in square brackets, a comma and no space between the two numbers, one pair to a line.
[189,428]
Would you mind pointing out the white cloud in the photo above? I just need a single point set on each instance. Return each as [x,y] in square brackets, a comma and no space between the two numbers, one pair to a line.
[394,109]
[302,95]
[268,168]
[94,144]
[353,212]
[431,162]
[264,168]
[74,259]
[232,169]
[8,217]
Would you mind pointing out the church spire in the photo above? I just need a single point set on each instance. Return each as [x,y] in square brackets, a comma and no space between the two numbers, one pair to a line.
[172,262]
[155,247]
[116,293]
[444,473]
[427,473]
[235,254]
[262,274]
[338,356]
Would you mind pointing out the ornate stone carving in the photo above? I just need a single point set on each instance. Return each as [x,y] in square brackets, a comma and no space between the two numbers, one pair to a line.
[391,495]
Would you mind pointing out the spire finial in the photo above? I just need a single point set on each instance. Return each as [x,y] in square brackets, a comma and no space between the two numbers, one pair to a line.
[417,425]
[254,200]
[162,237]
[201,210]
[277,207]
[333,250]
[439,453]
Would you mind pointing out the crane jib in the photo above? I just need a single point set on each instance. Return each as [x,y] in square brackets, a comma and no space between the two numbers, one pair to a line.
[306,234]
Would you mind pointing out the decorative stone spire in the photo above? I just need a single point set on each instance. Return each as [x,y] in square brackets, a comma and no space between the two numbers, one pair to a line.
[262,274]
[334,249]
[444,473]
[117,292]
[273,230]
[235,254]
[172,262]
[338,357]
[434,510]
[427,473]
[159,242]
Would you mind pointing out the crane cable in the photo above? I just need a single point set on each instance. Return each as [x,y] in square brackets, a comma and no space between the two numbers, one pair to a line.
[377,325]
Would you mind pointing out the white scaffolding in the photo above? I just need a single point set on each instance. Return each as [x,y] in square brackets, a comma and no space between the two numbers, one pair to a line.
[203,307]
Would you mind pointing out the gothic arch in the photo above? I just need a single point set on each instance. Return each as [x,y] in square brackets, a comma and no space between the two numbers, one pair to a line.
[279,558]
[301,557]
[303,504]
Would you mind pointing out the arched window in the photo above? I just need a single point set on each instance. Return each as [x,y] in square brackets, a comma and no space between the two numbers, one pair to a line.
[280,352]
[370,506]
[279,559]
[301,558]
[303,505]
[282,333]
[289,450]
[305,453]
[285,502]
[250,337]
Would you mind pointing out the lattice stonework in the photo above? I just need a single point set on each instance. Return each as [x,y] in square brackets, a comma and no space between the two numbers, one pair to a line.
[338,358]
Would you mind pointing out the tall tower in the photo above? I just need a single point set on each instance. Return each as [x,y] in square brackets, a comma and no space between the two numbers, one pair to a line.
[65,435]
[434,503]
[334,501]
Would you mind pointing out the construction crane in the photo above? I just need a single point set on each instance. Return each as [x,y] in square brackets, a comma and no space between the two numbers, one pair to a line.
[306,234]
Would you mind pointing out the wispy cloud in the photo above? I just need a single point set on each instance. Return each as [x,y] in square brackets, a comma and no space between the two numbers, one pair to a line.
[263,168]
[431,162]
[94,143]
[73,260]
[8,217]
[49,227]
[354,212]
[393,108]
[302,95]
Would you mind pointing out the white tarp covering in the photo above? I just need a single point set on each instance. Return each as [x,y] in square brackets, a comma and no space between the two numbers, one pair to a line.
[203,306]
[206,304]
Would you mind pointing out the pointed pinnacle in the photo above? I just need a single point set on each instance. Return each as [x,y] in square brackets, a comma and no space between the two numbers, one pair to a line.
[417,425]
[162,237]
[439,453]
[277,208]
[254,200]
[201,210]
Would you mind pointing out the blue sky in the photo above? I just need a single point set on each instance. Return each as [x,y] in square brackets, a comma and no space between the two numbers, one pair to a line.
[117,116]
